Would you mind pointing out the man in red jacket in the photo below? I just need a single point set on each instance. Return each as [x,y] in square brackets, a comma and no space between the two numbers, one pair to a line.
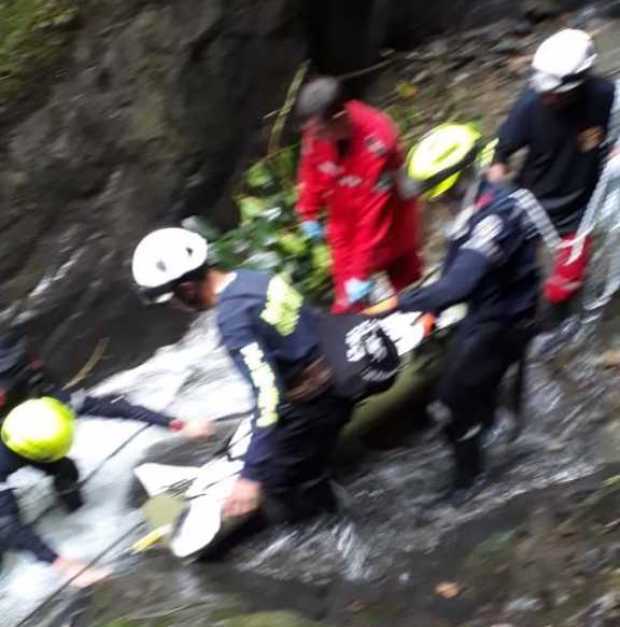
[352,166]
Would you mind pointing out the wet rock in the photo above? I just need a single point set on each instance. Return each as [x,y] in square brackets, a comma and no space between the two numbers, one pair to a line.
[508,45]
[158,111]
[269,619]
[593,560]
[613,554]
[600,613]
[610,359]
[539,10]
[525,604]
[422,77]
[521,28]
[519,66]
[610,442]
[612,9]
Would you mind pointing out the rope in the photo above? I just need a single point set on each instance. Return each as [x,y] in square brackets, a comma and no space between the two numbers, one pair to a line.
[93,360]
[289,103]
[95,470]
[367,70]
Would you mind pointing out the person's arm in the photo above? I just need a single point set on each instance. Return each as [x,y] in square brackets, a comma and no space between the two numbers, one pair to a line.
[118,407]
[512,136]
[17,535]
[485,247]
[103,407]
[260,374]
[456,286]
[247,493]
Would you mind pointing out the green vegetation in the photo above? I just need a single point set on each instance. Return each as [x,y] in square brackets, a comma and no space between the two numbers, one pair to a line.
[33,35]
[268,237]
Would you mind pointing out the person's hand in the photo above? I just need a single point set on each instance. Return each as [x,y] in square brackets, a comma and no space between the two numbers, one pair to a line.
[497,173]
[79,574]
[428,322]
[245,497]
[194,429]
[383,308]
[312,229]
[358,290]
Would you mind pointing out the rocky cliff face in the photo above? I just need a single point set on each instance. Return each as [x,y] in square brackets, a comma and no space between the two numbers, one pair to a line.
[151,115]
[148,112]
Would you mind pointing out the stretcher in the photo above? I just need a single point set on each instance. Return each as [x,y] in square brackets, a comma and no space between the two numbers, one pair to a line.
[184,508]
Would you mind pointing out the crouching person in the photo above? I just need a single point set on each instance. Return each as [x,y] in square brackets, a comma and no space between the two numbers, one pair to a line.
[38,424]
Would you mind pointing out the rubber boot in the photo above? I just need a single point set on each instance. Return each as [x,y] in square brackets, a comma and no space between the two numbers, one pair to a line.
[468,467]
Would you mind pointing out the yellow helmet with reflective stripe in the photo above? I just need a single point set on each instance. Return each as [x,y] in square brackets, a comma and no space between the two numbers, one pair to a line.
[40,430]
[444,147]
[485,158]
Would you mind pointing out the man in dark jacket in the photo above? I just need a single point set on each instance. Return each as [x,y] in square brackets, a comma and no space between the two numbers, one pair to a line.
[273,338]
[563,120]
[21,378]
[491,266]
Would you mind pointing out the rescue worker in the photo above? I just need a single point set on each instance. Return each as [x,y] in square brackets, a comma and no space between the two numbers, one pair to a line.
[562,119]
[352,166]
[272,336]
[490,265]
[37,432]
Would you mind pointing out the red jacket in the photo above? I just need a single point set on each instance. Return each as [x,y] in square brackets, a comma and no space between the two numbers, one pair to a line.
[368,226]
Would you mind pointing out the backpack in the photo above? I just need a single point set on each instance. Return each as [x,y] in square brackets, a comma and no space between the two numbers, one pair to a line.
[364,360]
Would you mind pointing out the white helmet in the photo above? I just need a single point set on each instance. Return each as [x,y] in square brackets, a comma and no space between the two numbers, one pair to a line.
[165,258]
[562,61]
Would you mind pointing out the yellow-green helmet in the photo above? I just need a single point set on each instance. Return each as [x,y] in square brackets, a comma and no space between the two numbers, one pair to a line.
[40,430]
[444,147]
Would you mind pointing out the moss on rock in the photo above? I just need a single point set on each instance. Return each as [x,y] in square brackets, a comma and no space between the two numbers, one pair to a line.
[33,35]
[269,619]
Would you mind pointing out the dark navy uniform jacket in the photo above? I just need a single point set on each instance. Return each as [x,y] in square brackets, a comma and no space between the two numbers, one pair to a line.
[490,264]
[30,382]
[566,148]
[272,336]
